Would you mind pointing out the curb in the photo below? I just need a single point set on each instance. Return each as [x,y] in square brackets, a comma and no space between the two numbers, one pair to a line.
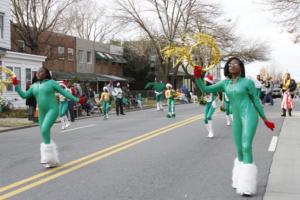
[80,118]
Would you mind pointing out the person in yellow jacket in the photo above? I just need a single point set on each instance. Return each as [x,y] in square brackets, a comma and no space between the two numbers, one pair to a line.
[104,100]
[170,94]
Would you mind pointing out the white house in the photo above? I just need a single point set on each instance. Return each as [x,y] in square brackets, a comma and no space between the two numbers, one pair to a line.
[23,65]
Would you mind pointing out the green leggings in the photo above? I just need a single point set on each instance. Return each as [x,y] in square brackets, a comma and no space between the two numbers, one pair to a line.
[244,128]
[171,105]
[158,98]
[63,108]
[208,112]
[46,120]
[105,107]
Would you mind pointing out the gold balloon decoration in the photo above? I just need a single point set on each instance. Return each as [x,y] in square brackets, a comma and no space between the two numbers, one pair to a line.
[184,52]
[4,82]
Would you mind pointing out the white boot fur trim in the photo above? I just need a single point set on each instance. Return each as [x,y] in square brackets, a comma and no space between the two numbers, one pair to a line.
[235,172]
[49,154]
[247,180]
[210,129]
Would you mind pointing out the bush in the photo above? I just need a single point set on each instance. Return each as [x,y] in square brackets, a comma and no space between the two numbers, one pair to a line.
[15,113]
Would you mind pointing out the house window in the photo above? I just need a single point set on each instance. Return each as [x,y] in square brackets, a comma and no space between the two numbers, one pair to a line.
[80,56]
[33,75]
[70,54]
[1,25]
[61,52]
[9,87]
[88,57]
[17,71]
[21,45]
[28,75]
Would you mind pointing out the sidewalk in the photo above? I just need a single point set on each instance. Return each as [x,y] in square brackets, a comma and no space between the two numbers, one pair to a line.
[284,177]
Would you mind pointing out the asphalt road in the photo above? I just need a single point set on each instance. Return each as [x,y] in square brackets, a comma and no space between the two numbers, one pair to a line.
[139,156]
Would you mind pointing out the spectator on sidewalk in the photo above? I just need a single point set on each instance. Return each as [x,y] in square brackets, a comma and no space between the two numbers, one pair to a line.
[31,102]
[126,95]
[288,87]
[118,95]
[71,103]
[139,101]
[110,87]
[268,85]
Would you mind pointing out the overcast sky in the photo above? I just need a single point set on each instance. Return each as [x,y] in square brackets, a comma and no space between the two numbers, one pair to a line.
[255,22]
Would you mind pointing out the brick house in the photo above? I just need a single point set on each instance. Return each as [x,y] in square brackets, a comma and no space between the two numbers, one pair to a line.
[58,48]
[69,57]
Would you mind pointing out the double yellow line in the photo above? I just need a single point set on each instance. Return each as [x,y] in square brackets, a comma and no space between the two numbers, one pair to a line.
[38,179]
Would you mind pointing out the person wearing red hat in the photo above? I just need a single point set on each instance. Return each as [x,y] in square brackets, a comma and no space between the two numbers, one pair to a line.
[245,109]
[209,107]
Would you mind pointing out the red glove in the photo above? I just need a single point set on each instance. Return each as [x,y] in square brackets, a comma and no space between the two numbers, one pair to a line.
[269,124]
[197,71]
[81,100]
[14,80]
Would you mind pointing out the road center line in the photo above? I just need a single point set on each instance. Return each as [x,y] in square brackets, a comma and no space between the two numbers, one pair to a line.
[61,173]
[51,171]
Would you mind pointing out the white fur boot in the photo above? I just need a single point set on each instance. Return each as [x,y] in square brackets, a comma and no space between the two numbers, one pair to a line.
[228,121]
[210,129]
[157,106]
[49,154]
[235,172]
[161,106]
[67,123]
[62,120]
[247,180]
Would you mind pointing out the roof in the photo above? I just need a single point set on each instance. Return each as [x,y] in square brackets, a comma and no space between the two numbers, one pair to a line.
[81,76]
[86,76]
[111,57]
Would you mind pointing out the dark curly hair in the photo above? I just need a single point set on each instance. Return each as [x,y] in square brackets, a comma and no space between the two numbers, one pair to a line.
[226,68]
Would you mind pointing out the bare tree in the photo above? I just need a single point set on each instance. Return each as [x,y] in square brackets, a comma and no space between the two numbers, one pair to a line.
[169,20]
[32,18]
[86,20]
[288,14]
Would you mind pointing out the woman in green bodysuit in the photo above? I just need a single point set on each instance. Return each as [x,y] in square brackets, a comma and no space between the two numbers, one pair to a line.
[44,92]
[158,88]
[245,106]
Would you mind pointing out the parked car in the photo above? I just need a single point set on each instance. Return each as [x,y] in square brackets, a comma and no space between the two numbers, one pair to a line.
[276,93]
